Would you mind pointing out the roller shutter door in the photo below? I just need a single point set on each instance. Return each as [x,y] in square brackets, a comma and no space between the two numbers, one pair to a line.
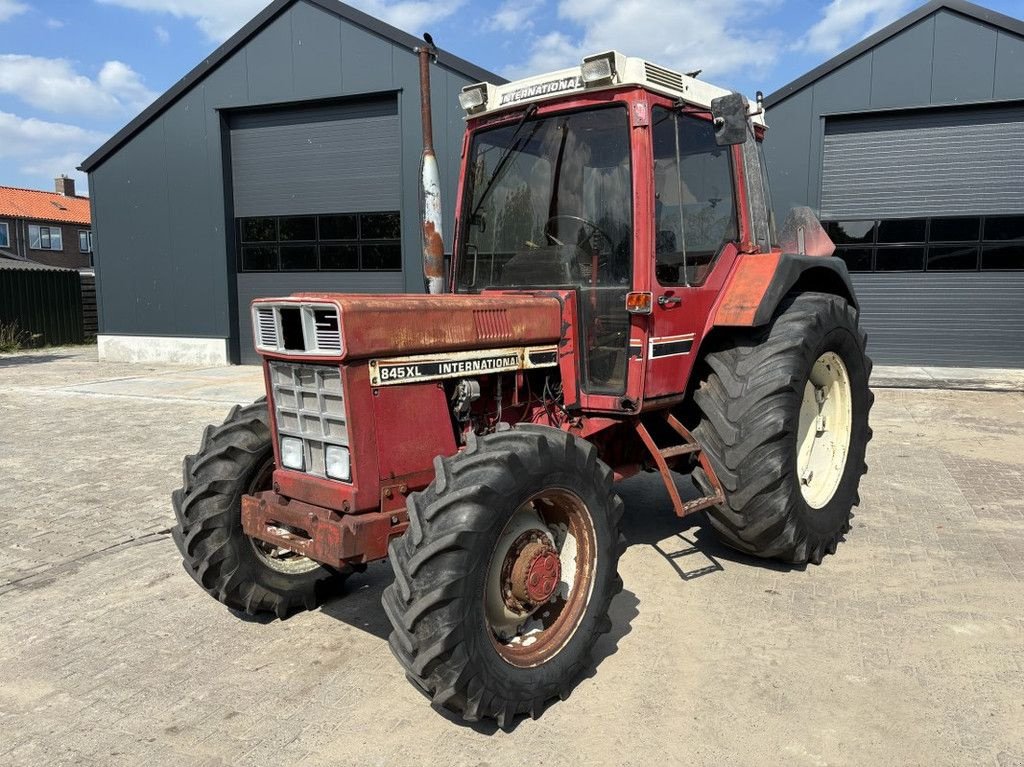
[964,162]
[338,159]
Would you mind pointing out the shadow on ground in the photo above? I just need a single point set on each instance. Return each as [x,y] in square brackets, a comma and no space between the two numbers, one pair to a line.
[689,545]
[30,359]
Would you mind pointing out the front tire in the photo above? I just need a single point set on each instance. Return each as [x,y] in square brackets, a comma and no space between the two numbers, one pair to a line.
[784,422]
[237,458]
[504,577]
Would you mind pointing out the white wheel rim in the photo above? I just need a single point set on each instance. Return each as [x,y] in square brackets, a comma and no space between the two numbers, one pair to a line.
[824,431]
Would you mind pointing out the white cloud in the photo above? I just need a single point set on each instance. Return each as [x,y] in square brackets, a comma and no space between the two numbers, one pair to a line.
[221,19]
[217,19]
[720,37]
[43,150]
[55,86]
[162,35]
[11,8]
[514,15]
[52,23]
[844,21]
[412,16]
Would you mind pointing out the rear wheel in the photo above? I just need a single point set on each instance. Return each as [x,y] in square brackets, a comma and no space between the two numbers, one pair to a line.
[246,574]
[503,580]
[784,422]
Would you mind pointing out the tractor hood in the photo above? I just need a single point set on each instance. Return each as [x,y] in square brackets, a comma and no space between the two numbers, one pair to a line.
[404,324]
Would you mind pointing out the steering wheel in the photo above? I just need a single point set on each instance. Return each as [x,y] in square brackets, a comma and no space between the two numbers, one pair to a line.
[595,231]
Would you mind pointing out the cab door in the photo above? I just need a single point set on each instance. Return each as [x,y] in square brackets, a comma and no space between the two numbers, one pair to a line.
[696,228]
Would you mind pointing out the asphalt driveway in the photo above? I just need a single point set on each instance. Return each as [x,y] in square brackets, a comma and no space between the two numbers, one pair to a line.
[907,647]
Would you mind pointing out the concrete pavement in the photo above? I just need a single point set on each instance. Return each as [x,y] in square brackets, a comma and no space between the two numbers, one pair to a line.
[907,647]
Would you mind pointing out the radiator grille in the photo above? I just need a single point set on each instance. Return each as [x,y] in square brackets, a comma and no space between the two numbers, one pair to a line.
[309,404]
[663,77]
[297,328]
[266,327]
[328,334]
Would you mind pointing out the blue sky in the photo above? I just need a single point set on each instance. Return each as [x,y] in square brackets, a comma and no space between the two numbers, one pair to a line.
[73,72]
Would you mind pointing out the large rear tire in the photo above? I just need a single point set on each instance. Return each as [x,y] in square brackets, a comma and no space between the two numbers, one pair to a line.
[504,577]
[235,459]
[784,422]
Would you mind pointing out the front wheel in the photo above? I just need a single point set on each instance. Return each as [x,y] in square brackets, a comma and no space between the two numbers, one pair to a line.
[784,422]
[504,578]
[249,575]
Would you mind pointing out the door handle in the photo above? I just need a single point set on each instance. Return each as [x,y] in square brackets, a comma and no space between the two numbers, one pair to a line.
[664,301]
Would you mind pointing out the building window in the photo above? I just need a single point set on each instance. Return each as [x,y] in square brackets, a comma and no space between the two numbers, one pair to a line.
[941,244]
[368,242]
[84,241]
[45,238]
[5,235]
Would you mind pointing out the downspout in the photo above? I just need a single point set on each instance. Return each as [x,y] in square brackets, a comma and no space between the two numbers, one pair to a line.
[433,239]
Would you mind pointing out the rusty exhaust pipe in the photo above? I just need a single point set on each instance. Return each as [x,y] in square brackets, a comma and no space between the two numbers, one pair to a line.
[433,240]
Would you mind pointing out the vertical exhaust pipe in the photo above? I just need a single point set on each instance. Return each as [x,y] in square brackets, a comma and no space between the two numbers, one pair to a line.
[433,240]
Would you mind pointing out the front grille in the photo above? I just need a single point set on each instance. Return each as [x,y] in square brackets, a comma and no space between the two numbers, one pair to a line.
[327,332]
[297,328]
[266,327]
[309,404]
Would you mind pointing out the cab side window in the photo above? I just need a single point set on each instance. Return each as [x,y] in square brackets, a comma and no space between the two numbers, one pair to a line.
[694,197]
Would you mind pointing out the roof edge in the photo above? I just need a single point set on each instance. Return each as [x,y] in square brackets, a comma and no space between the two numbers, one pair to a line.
[242,36]
[963,7]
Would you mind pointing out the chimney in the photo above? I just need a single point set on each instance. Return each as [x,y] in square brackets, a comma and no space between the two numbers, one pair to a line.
[65,186]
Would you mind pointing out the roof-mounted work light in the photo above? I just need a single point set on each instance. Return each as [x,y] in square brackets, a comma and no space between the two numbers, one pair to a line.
[473,98]
[599,69]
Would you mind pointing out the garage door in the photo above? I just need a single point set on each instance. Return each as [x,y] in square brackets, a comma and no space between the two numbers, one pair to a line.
[927,209]
[316,202]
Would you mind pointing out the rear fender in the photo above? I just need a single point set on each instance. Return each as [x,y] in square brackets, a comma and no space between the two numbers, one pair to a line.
[759,282]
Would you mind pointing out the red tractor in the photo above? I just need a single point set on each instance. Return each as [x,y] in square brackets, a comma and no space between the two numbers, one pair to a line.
[617,302]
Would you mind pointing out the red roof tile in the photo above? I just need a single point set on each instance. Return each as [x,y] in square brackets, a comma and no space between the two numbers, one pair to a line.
[43,206]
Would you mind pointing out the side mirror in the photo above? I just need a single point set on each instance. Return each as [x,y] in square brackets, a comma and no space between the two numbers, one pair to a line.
[732,126]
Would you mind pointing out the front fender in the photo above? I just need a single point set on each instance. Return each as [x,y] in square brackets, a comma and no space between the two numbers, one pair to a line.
[759,282]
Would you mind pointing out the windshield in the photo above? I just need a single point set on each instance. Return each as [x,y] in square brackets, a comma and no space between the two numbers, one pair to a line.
[549,203]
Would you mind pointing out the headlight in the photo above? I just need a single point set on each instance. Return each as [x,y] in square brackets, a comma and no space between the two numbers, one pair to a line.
[339,463]
[292,453]
[473,98]
[598,69]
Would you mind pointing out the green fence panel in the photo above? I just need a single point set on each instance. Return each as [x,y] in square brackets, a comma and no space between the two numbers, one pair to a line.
[46,304]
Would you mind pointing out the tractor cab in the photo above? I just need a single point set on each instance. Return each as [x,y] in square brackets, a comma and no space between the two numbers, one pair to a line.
[629,185]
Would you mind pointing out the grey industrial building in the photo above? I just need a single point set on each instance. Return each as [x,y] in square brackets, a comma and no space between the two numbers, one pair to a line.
[288,160]
[911,146]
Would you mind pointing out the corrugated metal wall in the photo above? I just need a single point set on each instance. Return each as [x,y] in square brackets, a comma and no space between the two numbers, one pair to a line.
[944,162]
[954,319]
[46,304]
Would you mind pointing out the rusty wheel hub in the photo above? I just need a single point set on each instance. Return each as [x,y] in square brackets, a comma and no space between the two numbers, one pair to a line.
[540,577]
[534,571]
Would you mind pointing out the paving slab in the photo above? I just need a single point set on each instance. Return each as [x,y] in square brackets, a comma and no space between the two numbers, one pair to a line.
[905,648]
[968,379]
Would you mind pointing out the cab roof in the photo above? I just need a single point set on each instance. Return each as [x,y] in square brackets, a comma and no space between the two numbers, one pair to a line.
[626,71]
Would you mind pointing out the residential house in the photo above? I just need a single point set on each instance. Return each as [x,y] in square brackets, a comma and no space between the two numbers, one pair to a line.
[52,228]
